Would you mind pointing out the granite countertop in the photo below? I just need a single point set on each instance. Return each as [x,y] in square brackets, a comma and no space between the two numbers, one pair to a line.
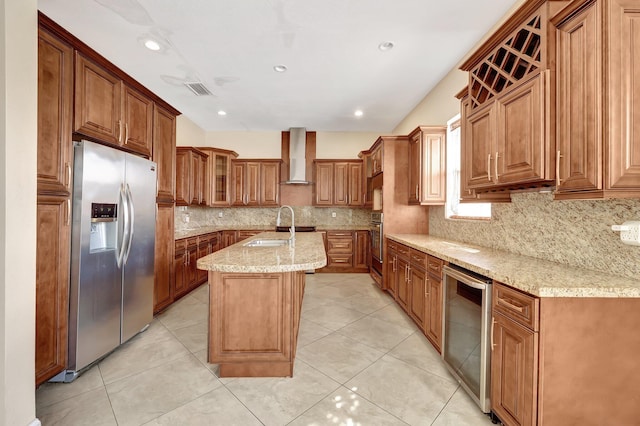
[535,276]
[265,228]
[307,254]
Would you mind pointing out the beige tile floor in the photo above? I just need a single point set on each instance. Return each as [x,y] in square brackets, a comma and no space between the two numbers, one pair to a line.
[360,361]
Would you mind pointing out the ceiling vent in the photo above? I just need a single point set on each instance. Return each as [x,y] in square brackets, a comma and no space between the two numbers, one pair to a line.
[198,88]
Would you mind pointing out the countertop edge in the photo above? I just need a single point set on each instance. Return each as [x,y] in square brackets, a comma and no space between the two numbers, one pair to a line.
[308,254]
[538,277]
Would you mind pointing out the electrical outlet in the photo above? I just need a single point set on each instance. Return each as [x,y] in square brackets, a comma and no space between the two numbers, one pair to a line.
[333,214]
[220,214]
[629,232]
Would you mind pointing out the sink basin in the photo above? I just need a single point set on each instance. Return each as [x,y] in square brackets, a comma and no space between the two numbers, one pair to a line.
[267,243]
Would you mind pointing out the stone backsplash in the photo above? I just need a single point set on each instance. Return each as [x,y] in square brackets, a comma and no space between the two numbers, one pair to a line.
[243,217]
[576,232]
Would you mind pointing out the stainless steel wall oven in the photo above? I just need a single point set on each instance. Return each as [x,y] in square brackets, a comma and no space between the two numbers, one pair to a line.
[466,331]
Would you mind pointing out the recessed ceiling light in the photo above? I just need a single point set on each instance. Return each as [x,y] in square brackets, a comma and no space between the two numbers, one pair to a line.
[221,112]
[280,68]
[152,45]
[358,113]
[386,45]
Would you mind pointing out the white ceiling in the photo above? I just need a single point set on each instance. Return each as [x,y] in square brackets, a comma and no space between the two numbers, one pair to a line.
[329,46]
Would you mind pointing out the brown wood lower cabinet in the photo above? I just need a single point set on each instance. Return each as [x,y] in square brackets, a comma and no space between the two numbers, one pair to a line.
[253,325]
[564,361]
[187,252]
[414,279]
[347,251]
[52,286]
[164,258]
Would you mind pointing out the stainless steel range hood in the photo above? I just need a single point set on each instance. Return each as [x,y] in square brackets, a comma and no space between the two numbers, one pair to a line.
[297,156]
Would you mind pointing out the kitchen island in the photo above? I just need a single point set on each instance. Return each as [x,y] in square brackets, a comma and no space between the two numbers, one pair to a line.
[255,297]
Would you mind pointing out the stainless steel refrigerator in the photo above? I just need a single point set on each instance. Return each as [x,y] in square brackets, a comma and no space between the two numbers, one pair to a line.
[112,252]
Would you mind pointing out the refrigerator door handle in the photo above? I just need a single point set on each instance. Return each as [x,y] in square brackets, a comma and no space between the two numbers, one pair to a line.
[131,212]
[125,228]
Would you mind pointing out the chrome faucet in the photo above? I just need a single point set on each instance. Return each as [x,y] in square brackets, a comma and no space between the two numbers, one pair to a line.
[292,230]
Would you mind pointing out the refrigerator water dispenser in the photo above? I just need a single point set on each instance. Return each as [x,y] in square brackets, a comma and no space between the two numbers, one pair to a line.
[104,231]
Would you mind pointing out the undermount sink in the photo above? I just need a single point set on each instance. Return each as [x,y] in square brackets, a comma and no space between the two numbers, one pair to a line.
[267,243]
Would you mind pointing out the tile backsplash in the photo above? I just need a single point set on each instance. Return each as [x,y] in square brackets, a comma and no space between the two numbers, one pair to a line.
[576,232]
[266,216]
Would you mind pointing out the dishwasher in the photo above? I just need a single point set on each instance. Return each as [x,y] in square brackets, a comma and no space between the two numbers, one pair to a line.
[466,331]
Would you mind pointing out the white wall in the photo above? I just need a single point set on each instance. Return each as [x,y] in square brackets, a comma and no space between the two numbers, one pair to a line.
[438,106]
[268,144]
[343,144]
[188,133]
[18,131]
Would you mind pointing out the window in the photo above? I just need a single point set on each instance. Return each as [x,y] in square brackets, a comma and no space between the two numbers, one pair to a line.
[453,208]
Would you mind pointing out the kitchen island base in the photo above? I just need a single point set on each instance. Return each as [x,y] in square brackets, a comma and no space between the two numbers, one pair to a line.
[253,322]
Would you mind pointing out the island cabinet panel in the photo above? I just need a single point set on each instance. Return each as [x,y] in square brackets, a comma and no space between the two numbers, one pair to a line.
[254,320]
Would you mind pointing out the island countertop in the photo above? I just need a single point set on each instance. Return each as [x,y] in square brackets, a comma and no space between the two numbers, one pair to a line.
[535,276]
[308,254]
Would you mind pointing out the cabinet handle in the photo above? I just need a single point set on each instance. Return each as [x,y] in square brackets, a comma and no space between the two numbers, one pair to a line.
[119,130]
[426,287]
[489,167]
[68,211]
[68,167]
[493,322]
[126,132]
[510,305]
[417,193]
[558,157]
[496,164]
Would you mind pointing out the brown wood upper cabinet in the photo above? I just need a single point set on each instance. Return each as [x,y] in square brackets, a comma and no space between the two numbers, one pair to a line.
[217,182]
[53,220]
[427,165]
[164,147]
[598,100]
[339,183]
[508,136]
[255,182]
[190,175]
[110,111]
[55,108]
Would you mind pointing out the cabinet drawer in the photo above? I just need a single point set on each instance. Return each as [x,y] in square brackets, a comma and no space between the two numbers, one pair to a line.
[181,244]
[520,307]
[339,234]
[434,266]
[192,242]
[404,251]
[340,260]
[418,258]
[339,245]
[392,245]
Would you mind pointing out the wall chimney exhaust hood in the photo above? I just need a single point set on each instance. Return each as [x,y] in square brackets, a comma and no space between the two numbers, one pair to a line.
[297,156]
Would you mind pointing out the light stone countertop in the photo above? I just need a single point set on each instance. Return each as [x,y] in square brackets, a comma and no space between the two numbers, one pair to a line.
[538,277]
[188,233]
[307,254]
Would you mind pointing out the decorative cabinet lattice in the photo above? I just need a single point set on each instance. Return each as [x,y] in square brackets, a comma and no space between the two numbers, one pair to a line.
[516,58]
[507,137]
